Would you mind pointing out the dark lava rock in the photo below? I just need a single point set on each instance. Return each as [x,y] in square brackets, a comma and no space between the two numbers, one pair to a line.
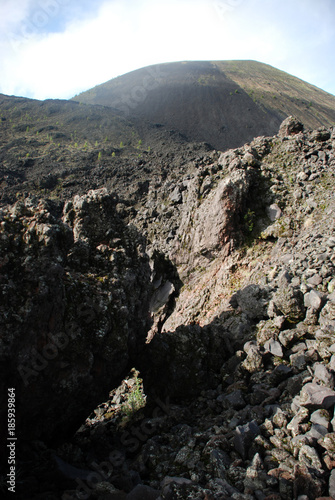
[290,126]
[74,309]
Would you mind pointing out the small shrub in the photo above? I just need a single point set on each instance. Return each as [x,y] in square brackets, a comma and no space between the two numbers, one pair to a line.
[249,218]
[136,398]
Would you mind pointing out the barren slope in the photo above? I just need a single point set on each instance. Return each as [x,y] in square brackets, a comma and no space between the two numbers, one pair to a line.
[225,103]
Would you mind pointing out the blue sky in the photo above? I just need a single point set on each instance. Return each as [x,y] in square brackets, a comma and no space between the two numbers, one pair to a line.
[58,48]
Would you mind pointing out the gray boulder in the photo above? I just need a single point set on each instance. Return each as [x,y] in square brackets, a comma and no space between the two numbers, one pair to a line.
[289,302]
[253,301]
[290,126]
[323,376]
[313,300]
[244,436]
[327,316]
[332,484]
[308,456]
[143,492]
[274,347]
[316,396]
[254,360]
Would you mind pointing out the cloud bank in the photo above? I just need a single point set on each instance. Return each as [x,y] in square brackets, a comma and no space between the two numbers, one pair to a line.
[57,48]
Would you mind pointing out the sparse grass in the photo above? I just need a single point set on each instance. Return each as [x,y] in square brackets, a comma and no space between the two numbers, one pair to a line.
[205,79]
[249,220]
[136,398]
[284,91]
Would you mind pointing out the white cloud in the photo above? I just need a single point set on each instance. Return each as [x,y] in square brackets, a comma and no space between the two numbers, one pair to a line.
[11,14]
[122,36]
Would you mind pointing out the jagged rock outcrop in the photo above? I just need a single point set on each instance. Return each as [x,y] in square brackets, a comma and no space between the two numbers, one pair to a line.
[216,222]
[290,126]
[74,310]
[273,409]
[260,198]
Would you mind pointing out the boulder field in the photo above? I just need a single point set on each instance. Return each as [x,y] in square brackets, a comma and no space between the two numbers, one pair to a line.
[218,289]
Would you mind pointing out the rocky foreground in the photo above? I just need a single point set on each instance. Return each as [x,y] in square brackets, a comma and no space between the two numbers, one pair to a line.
[225,310]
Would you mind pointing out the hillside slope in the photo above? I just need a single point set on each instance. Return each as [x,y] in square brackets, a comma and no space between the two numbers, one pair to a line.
[224,103]
[57,148]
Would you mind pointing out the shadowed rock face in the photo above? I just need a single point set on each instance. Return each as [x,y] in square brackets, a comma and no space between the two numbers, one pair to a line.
[74,310]
[224,103]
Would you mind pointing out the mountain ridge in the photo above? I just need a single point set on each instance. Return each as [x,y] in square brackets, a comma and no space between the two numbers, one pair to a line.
[201,99]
